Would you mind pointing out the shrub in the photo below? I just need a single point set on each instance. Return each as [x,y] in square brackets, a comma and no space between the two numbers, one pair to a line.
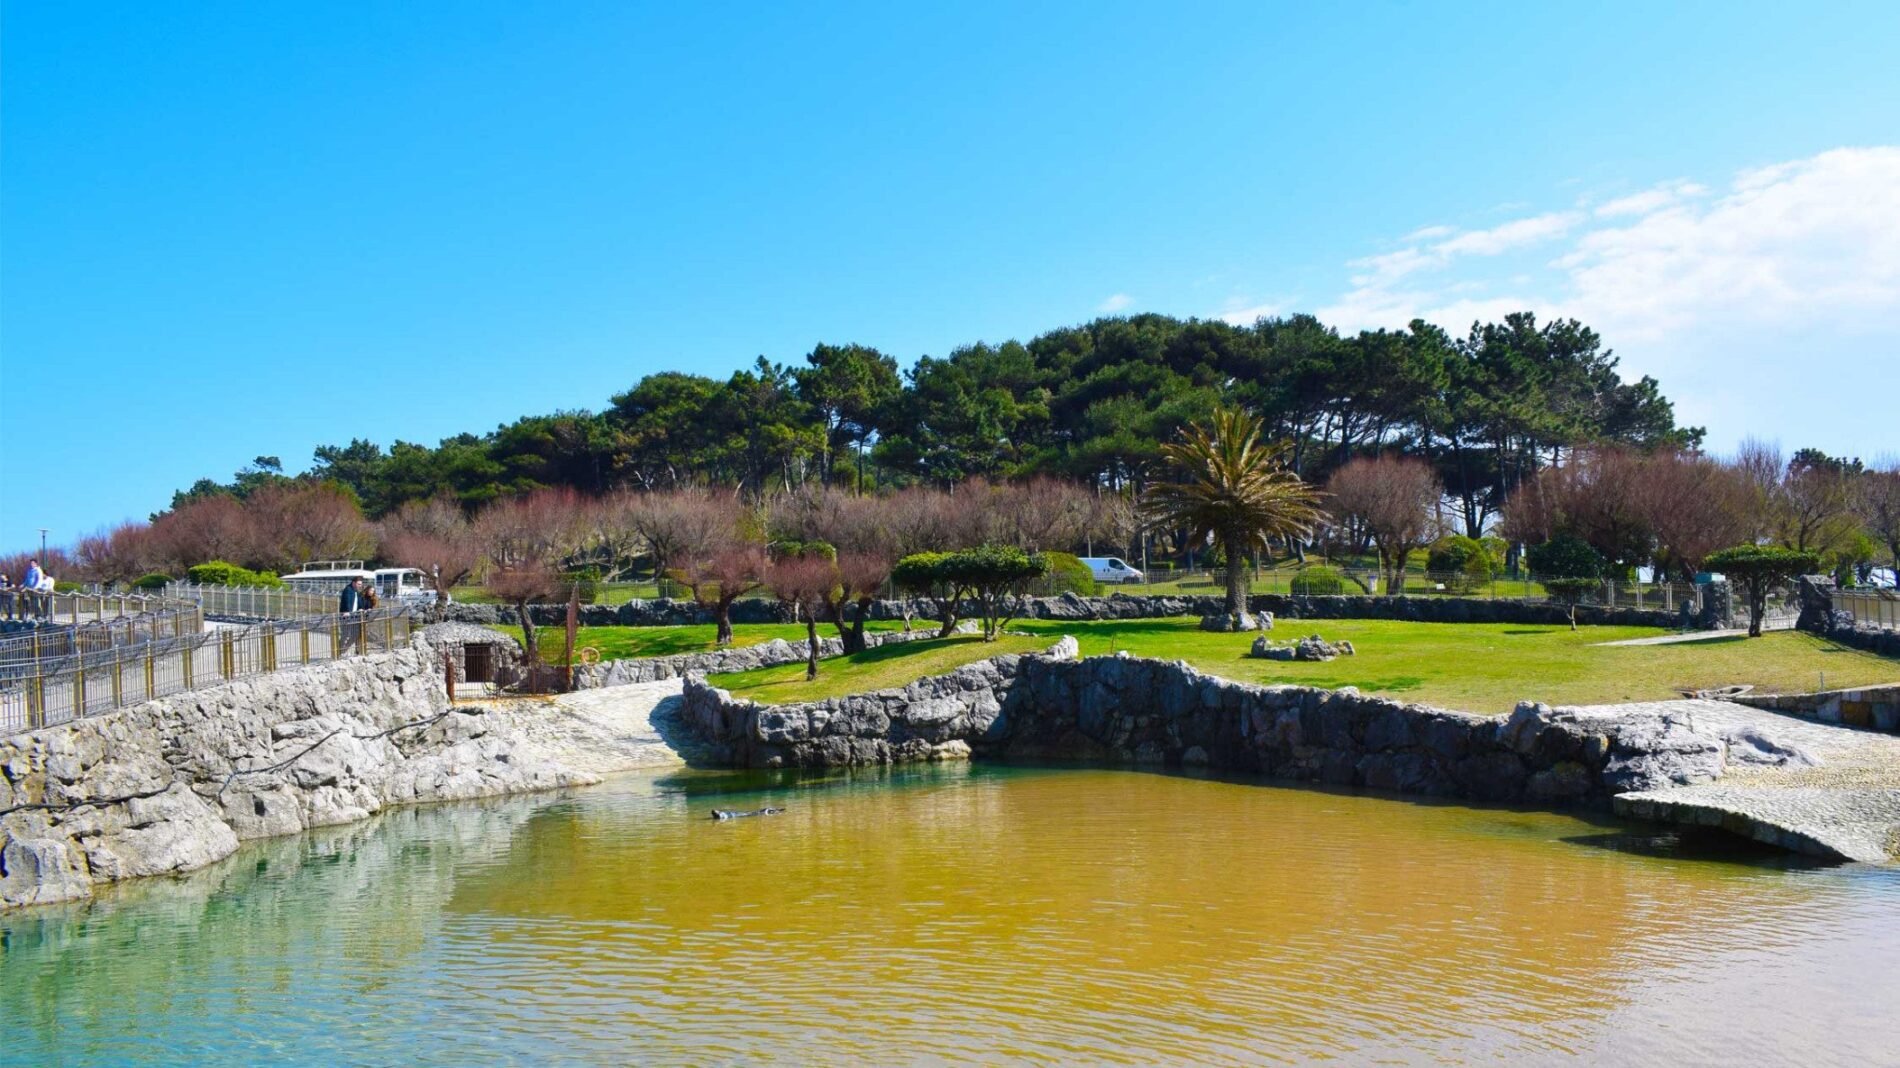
[1463,563]
[586,582]
[1068,574]
[225,573]
[1318,581]
[1758,569]
[153,581]
[1569,569]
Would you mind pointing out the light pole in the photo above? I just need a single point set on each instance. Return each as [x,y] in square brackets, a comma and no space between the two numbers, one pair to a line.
[42,546]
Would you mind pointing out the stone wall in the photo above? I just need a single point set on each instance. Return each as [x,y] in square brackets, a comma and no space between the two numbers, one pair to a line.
[766,654]
[1815,595]
[1127,710]
[175,784]
[1424,609]
[1872,707]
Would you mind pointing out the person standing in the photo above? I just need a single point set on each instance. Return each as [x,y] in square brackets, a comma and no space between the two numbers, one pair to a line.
[6,594]
[349,603]
[46,587]
[30,591]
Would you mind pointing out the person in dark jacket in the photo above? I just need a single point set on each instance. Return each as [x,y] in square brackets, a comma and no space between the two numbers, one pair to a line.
[349,603]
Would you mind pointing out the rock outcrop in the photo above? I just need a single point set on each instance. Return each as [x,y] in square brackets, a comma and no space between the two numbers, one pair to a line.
[175,784]
[1130,710]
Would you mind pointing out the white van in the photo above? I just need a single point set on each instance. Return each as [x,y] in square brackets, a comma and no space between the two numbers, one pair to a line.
[1112,570]
[406,586]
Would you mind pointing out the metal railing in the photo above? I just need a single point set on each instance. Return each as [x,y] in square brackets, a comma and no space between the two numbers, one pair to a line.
[59,689]
[252,602]
[1870,607]
[75,609]
[50,642]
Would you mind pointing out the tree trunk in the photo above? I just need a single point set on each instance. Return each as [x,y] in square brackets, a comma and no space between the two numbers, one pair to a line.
[530,645]
[854,638]
[811,647]
[723,634]
[1236,578]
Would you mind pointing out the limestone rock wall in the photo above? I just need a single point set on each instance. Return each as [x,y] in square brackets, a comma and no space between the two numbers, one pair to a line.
[175,784]
[1127,710]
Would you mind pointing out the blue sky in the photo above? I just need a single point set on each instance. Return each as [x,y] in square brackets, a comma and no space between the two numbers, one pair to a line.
[232,230]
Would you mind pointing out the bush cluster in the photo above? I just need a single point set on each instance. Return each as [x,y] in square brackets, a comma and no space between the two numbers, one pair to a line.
[225,573]
[1320,580]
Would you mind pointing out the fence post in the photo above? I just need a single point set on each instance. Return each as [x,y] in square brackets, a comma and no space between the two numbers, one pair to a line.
[303,638]
[79,690]
[151,670]
[227,650]
[190,651]
[118,677]
[36,702]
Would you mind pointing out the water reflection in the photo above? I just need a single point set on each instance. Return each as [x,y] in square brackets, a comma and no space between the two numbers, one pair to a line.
[962,914]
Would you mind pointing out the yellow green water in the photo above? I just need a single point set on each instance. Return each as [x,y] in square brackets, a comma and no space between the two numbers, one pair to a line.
[965,915]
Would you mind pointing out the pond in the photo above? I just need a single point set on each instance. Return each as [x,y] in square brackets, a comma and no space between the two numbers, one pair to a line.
[965,914]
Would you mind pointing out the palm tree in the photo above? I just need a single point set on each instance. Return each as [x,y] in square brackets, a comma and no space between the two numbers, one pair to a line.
[1234,487]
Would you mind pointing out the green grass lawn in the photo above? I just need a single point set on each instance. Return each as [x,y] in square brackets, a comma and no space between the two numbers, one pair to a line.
[1490,667]
[874,669]
[623,643]
[1469,666]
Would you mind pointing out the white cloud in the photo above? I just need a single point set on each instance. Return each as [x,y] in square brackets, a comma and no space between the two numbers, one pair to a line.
[1797,243]
[1245,316]
[1650,200]
[1757,302]
[1512,235]
[1115,303]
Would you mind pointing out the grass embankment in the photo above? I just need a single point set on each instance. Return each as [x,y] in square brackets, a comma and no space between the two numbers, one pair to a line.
[623,643]
[874,669]
[1484,667]
[1474,667]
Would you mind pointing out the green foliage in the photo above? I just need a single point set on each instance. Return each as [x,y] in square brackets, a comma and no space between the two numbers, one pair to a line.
[787,548]
[995,577]
[1320,580]
[585,581]
[1466,563]
[1770,562]
[1565,557]
[1093,401]
[151,582]
[224,573]
[1068,574]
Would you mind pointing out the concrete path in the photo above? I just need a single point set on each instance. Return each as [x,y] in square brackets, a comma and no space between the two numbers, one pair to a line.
[1834,793]
[1675,639]
[615,728]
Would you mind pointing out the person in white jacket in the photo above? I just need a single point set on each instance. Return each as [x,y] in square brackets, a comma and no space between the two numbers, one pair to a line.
[45,590]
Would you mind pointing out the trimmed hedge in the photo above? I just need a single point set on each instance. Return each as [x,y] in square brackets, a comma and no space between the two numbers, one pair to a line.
[1320,580]
[1068,574]
[225,573]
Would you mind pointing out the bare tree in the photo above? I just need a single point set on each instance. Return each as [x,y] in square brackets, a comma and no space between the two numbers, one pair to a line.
[859,531]
[202,530]
[1594,497]
[1877,500]
[294,522]
[1695,505]
[806,582]
[435,536]
[524,540]
[1395,498]
[720,558]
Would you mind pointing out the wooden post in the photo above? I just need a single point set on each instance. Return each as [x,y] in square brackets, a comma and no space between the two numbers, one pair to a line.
[118,677]
[448,673]
[227,653]
[151,672]
[191,650]
[303,638]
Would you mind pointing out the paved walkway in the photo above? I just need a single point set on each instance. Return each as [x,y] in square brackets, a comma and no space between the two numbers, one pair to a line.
[615,728]
[1836,795]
